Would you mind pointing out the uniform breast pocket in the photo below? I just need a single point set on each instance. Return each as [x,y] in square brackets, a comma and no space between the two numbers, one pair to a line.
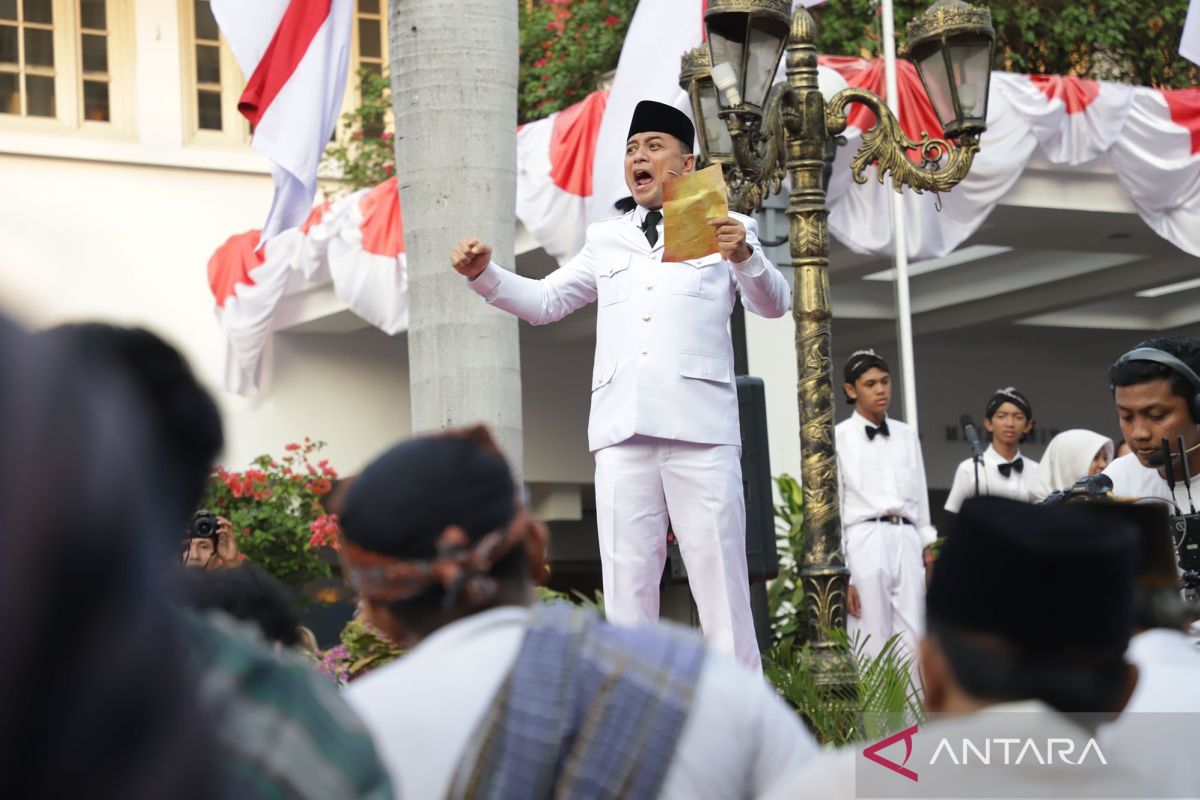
[700,277]
[612,283]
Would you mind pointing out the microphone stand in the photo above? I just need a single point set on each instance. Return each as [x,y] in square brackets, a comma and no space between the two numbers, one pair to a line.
[976,459]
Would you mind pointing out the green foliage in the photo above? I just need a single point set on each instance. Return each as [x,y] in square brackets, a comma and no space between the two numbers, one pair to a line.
[362,648]
[574,597]
[1135,43]
[275,508]
[364,154]
[884,699]
[565,48]
[785,594]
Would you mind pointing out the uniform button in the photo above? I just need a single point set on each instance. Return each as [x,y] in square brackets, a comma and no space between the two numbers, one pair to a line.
[646,318]
[645,352]
[649,287]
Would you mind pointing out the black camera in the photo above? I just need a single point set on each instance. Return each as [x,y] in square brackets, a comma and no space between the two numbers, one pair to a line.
[1185,529]
[204,525]
[1089,489]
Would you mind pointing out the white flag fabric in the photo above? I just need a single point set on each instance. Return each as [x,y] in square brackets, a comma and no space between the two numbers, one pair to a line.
[659,34]
[294,54]
[1189,46]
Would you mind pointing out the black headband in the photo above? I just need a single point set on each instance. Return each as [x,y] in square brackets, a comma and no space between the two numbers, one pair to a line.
[1008,395]
[860,361]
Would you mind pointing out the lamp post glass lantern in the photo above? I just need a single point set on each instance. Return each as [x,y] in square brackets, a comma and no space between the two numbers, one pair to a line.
[745,41]
[951,45]
[786,130]
[695,78]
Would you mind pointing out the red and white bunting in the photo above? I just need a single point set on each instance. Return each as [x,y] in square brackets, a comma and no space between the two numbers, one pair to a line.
[1150,137]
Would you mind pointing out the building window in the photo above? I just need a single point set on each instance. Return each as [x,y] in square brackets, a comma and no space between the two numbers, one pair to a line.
[213,82]
[67,63]
[27,72]
[208,67]
[95,77]
[372,33]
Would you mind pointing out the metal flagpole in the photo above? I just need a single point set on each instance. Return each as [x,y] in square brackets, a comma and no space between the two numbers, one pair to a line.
[899,238]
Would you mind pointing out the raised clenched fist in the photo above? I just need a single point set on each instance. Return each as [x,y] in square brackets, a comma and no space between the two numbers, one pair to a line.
[470,257]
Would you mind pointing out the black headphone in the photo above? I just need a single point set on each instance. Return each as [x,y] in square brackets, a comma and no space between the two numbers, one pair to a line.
[1176,365]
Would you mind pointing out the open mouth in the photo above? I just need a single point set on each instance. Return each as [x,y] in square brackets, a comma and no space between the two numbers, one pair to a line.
[642,178]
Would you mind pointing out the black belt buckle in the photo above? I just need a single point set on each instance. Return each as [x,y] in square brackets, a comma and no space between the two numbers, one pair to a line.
[893,519]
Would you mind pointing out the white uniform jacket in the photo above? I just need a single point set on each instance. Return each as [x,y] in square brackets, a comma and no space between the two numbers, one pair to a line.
[664,359]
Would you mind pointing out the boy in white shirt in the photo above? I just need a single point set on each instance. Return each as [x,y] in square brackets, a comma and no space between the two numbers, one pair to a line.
[885,510]
[1004,471]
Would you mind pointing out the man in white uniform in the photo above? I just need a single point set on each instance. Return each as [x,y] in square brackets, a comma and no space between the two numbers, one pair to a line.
[523,699]
[664,418]
[1004,471]
[1029,612]
[1156,390]
[885,511]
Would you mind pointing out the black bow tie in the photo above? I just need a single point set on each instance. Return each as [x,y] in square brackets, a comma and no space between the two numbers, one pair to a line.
[872,431]
[650,226]
[1007,469]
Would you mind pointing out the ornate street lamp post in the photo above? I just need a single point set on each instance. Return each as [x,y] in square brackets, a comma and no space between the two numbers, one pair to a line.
[773,131]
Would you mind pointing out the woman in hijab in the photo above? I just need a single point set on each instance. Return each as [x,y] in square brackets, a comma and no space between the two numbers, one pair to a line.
[1072,455]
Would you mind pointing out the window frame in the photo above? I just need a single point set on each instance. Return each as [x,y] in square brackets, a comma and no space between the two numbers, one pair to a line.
[352,97]
[233,83]
[68,74]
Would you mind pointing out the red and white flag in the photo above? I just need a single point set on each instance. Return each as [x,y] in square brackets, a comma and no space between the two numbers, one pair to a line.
[294,54]
[1189,46]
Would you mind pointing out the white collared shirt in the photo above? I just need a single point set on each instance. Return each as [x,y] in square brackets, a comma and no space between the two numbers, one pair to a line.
[738,741]
[1132,480]
[1017,486]
[884,476]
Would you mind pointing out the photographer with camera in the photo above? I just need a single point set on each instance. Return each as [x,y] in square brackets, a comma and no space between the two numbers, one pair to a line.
[211,543]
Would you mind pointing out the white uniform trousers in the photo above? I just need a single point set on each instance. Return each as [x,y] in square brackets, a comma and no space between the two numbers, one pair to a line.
[887,570]
[642,483]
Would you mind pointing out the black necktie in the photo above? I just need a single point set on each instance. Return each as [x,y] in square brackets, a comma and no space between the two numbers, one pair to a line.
[1007,469]
[872,431]
[650,226]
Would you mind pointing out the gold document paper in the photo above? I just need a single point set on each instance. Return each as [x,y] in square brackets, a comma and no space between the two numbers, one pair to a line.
[689,202]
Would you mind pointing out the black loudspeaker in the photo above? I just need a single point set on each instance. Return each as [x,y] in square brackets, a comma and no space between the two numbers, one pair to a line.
[761,556]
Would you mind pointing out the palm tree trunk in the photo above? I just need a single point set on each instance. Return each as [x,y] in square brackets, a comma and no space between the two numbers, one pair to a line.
[454,95]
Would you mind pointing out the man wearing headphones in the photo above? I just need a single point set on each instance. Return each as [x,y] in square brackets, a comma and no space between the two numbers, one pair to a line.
[1156,389]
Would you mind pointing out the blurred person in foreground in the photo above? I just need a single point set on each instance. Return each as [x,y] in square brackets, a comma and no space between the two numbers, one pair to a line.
[1165,705]
[1071,455]
[501,696]
[282,730]
[95,695]
[249,594]
[1028,616]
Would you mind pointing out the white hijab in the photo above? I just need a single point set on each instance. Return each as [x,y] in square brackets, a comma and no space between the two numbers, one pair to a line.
[1068,458]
